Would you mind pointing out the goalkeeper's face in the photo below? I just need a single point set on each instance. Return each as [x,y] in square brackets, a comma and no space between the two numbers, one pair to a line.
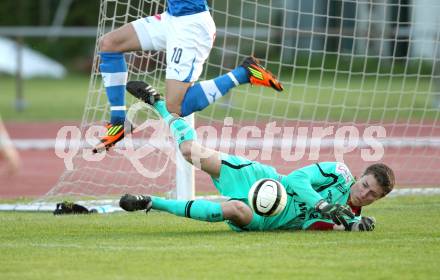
[365,191]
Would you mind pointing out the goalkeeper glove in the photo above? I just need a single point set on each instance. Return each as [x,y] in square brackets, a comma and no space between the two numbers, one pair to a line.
[365,224]
[335,212]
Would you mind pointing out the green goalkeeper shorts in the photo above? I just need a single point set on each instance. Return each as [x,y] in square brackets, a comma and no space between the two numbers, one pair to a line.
[237,175]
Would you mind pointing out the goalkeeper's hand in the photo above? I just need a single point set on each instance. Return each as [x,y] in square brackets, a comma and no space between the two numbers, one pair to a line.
[335,212]
[365,224]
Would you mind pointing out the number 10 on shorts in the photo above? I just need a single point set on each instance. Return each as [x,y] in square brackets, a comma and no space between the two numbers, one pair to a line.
[177,54]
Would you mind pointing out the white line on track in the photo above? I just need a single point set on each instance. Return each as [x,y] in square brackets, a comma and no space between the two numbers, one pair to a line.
[109,206]
[389,142]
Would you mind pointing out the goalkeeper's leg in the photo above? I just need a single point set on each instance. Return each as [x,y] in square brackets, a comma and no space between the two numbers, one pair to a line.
[202,157]
[203,210]
[210,161]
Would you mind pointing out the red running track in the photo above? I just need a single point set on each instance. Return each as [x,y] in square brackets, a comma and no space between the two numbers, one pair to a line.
[41,169]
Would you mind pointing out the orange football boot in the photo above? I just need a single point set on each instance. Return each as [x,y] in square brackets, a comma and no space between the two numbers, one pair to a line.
[258,75]
[115,133]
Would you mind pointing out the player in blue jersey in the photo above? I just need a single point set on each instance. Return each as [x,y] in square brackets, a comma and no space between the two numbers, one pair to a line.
[186,31]
[322,196]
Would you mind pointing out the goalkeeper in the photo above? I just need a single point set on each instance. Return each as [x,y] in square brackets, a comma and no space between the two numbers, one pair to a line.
[186,31]
[322,196]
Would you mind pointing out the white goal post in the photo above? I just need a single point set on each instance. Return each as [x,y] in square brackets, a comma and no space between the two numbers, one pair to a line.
[361,79]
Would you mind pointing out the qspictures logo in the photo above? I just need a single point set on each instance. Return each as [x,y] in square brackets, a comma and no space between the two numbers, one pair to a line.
[249,141]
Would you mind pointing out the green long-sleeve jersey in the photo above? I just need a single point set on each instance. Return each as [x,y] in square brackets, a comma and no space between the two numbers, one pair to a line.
[305,187]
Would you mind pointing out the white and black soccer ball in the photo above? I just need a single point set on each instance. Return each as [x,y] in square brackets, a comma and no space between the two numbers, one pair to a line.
[267,197]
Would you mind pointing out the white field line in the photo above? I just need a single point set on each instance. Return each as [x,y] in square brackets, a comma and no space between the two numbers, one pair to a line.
[389,142]
[109,206]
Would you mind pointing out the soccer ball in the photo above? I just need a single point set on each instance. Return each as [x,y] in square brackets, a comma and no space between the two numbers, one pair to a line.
[267,197]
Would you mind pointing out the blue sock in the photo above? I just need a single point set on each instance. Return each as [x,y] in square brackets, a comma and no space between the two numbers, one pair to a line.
[202,210]
[200,95]
[114,73]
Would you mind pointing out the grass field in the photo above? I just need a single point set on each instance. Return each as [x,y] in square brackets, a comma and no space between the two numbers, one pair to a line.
[47,99]
[305,98]
[405,245]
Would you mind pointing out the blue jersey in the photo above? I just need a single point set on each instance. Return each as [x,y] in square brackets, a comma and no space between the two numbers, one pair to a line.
[186,7]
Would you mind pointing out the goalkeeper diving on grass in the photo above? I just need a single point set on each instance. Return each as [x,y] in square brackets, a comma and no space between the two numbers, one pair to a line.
[322,196]
[186,32]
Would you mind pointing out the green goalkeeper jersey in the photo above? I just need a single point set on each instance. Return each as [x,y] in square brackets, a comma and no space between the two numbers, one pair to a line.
[305,187]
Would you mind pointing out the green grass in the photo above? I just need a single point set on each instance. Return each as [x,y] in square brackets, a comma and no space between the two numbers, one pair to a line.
[348,98]
[314,97]
[405,245]
[47,99]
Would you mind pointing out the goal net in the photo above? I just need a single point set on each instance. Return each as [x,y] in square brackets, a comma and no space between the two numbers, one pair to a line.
[361,83]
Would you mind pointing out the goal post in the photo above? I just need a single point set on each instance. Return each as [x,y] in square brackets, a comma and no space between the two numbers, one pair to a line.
[361,86]
[185,173]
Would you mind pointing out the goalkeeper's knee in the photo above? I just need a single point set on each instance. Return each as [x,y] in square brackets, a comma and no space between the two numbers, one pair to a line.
[186,150]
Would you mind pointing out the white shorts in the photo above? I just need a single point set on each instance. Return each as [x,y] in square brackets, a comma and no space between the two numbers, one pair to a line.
[187,41]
